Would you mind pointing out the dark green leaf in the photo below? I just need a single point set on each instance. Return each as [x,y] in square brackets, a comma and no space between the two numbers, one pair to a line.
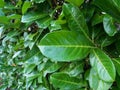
[117,65]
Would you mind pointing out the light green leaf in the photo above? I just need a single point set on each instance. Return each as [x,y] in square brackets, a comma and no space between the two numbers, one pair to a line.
[76,2]
[65,46]
[65,82]
[2,3]
[96,83]
[76,21]
[109,26]
[117,65]
[104,66]
[26,6]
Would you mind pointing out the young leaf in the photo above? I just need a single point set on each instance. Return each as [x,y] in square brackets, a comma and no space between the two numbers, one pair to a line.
[109,26]
[105,67]
[65,46]
[65,82]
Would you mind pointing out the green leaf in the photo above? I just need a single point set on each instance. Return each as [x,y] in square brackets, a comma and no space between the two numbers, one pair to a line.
[51,67]
[76,2]
[106,41]
[109,26]
[44,22]
[105,67]
[4,20]
[97,19]
[2,3]
[65,46]
[34,56]
[110,7]
[117,65]
[65,82]
[76,21]
[96,83]
[29,17]
[26,6]
[39,1]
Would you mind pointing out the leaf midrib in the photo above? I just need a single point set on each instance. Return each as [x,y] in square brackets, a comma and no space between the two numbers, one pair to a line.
[79,25]
[102,64]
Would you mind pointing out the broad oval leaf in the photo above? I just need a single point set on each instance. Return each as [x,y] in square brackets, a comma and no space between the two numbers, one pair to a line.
[103,64]
[109,26]
[65,82]
[65,46]
[75,19]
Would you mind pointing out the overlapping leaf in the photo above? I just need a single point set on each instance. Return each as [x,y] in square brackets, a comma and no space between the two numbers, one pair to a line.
[65,82]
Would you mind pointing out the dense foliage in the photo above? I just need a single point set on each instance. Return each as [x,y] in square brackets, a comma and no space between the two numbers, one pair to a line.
[59,45]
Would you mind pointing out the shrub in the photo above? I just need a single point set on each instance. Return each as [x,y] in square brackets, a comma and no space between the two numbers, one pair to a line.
[59,45]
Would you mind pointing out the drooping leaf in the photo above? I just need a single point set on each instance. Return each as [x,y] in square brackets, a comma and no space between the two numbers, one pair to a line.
[109,26]
[65,46]
[65,82]
[76,21]
[103,64]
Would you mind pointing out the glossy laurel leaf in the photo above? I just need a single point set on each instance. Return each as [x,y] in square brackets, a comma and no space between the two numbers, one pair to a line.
[75,19]
[103,64]
[65,46]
